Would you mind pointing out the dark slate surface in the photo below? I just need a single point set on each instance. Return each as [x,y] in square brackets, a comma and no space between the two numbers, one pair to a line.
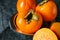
[7,10]
[10,35]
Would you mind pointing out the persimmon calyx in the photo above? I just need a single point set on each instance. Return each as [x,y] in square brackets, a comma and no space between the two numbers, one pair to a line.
[31,16]
[43,2]
[35,17]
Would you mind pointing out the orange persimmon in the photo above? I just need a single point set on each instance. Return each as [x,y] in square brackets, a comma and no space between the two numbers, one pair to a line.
[45,34]
[25,5]
[28,22]
[56,28]
[47,9]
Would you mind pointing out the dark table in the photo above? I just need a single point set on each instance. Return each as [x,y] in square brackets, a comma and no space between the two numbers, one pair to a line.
[7,10]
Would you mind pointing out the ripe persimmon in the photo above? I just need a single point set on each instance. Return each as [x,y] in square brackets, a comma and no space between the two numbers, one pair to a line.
[55,26]
[25,5]
[45,34]
[28,22]
[47,9]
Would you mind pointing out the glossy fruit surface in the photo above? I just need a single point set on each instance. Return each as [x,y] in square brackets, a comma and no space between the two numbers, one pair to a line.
[48,10]
[45,34]
[25,5]
[56,28]
[29,22]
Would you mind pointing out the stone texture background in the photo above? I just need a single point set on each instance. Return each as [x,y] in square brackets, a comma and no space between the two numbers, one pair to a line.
[7,10]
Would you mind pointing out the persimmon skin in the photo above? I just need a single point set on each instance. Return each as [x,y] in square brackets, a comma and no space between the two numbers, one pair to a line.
[25,5]
[55,27]
[48,10]
[45,34]
[30,28]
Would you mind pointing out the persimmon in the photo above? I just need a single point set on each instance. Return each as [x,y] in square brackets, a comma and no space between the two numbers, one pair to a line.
[55,26]
[47,9]
[45,34]
[25,5]
[28,22]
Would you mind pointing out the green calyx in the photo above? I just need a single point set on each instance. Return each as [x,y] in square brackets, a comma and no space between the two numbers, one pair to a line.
[43,2]
[31,16]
